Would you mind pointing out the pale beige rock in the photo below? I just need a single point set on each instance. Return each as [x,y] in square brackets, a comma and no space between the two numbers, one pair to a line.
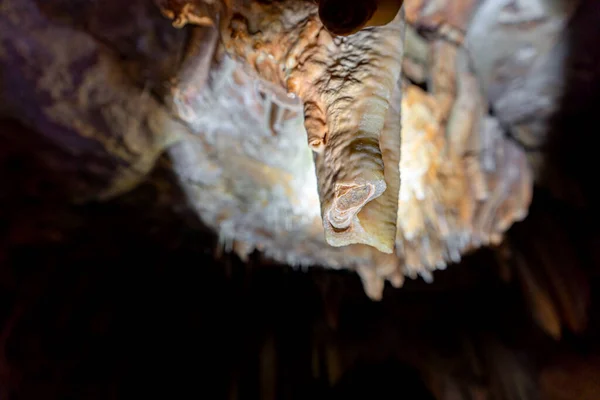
[463,184]
[266,79]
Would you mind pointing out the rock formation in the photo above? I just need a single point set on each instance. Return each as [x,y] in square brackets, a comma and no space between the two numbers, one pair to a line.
[235,98]
[287,131]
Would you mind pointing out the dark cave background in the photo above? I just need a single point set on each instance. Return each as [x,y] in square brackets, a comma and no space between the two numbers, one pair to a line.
[132,297]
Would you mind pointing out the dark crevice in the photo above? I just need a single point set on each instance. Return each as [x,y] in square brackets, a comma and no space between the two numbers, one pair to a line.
[422,85]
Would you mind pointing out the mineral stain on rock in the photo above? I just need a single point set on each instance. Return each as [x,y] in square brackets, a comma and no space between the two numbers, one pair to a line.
[315,148]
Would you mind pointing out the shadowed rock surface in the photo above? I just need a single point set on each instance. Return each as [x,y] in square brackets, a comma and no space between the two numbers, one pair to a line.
[95,97]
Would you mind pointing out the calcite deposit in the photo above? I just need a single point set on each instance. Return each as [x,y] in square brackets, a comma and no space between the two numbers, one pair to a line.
[381,147]
[173,121]
[462,182]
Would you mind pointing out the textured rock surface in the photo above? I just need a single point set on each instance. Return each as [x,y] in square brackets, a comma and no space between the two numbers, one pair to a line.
[127,89]
[99,299]
[463,182]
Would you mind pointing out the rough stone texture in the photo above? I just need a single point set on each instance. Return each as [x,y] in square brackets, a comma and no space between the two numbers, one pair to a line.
[127,89]
[463,151]
[126,261]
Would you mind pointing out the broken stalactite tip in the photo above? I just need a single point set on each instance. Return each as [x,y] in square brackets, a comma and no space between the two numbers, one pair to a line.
[343,17]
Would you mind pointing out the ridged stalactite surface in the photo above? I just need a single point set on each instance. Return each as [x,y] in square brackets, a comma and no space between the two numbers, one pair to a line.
[247,96]
[463,183]
[123,138]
